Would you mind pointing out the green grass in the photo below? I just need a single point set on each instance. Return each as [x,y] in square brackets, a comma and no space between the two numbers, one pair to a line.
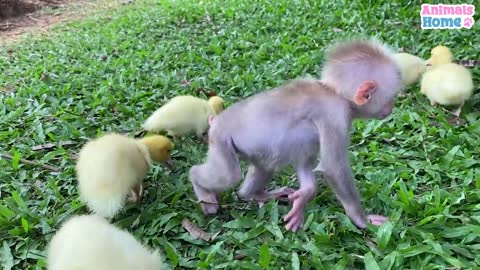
[414,167]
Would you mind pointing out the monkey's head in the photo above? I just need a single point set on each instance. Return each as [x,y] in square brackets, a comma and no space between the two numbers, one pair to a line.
[159,147]
[365,73]
[439,55]
[216,103]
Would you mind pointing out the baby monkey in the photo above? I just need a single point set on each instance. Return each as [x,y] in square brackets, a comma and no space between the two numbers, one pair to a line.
[292,125]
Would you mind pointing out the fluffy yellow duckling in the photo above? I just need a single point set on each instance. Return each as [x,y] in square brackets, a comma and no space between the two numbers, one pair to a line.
[89,242]
[411,66]
[446,83]
[439,55]
[183,115]
[110,167]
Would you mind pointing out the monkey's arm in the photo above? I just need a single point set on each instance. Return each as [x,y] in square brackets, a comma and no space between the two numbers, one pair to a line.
[334,163]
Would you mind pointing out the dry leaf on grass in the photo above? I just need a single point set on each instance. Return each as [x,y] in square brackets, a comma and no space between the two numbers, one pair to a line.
[49,146]
[195,231]
[29,162]
[8,89]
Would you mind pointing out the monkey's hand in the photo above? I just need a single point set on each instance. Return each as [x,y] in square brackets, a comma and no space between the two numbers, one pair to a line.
[294,218]
[377,220]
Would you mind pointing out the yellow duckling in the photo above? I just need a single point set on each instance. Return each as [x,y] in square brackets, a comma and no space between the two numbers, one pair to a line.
[183,115]
[110,167]
[440,55]
[446,83]
[411,66]
[89,242]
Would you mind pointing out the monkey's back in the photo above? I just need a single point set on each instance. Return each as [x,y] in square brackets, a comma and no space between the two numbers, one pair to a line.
[275,128]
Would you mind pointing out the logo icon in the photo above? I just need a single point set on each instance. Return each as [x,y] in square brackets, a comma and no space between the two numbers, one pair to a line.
[447,16]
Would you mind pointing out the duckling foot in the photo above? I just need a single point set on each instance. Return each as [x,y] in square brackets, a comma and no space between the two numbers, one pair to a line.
[204,138]
[136,193]
[140,133]
[458,111]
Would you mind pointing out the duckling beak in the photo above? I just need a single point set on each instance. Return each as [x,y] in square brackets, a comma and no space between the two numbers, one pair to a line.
[169,163]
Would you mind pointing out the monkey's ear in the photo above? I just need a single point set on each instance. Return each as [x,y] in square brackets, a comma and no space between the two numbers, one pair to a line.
[210,119]
[364,92]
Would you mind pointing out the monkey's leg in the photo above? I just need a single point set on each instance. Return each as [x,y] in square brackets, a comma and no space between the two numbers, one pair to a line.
[337,171]
[348,195]
[207,198]
[300,198]
[220,172]
[253,187]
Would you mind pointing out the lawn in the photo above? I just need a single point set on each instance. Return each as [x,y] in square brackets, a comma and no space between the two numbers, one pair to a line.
[108,72]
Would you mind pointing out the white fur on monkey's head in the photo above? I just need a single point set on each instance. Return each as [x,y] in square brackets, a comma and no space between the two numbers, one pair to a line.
[361,47]
[352,53]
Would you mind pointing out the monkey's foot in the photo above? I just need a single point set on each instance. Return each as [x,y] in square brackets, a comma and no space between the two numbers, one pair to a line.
[377,220]
[209,208]
[433,103]
[294,218]
[208,200]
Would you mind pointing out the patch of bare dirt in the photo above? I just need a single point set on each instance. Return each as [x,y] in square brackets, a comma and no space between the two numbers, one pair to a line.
[19,17]
[12,8]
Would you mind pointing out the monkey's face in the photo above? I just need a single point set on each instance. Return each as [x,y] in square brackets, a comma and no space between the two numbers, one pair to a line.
[381,101]
[375,111]
[386,110]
